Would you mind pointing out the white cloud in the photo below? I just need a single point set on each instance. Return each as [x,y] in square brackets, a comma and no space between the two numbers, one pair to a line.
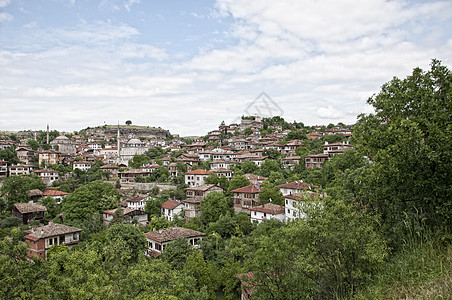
[5,17]
[318,60]
[329,113]
[4,3]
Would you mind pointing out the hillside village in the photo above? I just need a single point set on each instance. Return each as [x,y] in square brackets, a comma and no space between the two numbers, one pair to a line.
[248,211]
[177,173]
[219,154]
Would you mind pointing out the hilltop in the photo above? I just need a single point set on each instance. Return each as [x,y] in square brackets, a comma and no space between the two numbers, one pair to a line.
[140,131]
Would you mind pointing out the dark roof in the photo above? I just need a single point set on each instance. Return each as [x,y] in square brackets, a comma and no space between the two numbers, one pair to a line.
[203,187]
[137,198]
[25,208]
[269,208]
[34,192]
[52,229]
[298,185]
[125,211]
[172,233]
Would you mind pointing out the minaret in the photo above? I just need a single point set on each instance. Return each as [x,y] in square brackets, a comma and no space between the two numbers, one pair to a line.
[47,136]
[119,145]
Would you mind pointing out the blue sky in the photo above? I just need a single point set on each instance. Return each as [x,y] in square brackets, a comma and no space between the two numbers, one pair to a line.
[188,65]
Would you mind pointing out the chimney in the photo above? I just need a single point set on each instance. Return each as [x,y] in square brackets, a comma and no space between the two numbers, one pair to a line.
[50,222]
[33,228]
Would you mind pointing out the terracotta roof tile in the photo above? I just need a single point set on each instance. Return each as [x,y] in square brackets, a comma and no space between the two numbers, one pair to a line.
[269,208]
[54,193]
[199,172]
[249,189]
[170,204]
[299,185]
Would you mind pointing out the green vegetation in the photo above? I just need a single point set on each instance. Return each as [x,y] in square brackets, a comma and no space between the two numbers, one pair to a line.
[381,229]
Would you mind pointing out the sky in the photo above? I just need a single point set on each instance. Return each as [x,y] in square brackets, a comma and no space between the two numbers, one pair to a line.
[186,66]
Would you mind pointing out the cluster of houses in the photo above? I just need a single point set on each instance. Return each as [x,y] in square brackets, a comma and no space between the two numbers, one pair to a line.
[116,151]
[221,149]
[297,195]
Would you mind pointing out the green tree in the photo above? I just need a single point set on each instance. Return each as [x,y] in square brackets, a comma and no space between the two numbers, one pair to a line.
[53,208]
[248,167]
[225,226]
[89,199]
[204,272]
[9,154]
[248,131]
[272,153]
[177,252]
[295,135]
[125,243]
[138,161]
[15,188]
[128,122]
[214,205]
[408,140]
[270,193]
[270,165]
[238,181]
[329,254]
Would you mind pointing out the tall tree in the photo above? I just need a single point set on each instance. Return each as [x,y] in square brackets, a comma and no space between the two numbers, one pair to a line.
[409,141]
[214,205]
[89,199]
[15,188]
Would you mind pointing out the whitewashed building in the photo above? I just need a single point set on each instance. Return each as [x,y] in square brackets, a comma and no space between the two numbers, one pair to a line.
[266,212]
[159,239]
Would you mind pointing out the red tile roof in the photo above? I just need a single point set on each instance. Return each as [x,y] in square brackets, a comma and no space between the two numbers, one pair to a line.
[54,193]
[199,172]
[170,204]
[269,208]
[296,185]
[249,189]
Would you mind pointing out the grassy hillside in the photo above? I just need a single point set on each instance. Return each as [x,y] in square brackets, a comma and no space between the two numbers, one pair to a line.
[420,271]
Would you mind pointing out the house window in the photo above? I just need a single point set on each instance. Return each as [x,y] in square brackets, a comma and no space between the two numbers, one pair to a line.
[254,213]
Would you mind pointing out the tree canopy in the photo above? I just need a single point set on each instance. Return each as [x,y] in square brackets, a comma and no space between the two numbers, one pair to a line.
[89,199]
[409,141]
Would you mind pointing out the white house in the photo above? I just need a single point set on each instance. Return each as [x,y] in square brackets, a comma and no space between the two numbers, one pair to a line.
[266,212]
[126,214]
[55,194]
[296,204]
[47,176]
[294,187]
[82,165]
[196,177]
[21,169]
[136,202]
[171,209]
[159,239]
